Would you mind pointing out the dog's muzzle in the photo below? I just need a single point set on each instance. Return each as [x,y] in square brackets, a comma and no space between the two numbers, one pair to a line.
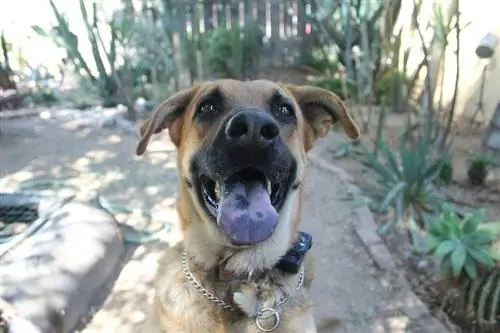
[245,175]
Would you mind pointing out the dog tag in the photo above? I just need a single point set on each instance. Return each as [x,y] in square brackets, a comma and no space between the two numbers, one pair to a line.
[267,320]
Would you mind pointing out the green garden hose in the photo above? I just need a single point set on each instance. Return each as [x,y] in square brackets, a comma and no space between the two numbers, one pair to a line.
[131,235]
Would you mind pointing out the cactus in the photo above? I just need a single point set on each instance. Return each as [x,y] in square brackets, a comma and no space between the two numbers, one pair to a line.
[476,303]
[62,35]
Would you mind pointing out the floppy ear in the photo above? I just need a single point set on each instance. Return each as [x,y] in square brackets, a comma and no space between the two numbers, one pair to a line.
[167,115]
[321,109]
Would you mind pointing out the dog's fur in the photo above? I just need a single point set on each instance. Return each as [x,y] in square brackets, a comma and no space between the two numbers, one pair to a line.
[178,307]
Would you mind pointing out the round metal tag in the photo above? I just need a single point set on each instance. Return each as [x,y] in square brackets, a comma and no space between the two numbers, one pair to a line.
[267,313]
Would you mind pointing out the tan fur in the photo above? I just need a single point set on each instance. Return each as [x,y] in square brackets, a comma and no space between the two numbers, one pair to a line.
[178,307]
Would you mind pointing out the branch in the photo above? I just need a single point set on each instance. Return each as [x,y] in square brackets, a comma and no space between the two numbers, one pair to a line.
[451,116]
[426,60]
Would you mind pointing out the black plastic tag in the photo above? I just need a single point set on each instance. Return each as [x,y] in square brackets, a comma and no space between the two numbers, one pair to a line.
[293,259]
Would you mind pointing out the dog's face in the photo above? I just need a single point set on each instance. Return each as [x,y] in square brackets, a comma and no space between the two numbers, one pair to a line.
[242,149]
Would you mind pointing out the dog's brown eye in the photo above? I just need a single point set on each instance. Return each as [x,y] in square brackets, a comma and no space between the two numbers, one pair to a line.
[285,111]
[207,108]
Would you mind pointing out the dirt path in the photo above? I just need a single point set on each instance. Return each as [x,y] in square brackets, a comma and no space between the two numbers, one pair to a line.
[347,284]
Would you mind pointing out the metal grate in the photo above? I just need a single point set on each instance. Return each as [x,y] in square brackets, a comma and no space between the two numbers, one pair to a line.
[16,209]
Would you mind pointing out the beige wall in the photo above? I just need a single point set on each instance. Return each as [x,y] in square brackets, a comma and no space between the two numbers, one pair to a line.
[482,17]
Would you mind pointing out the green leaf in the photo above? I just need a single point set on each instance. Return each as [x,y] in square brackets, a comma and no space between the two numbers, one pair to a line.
[399,208]
[432,243]
[373,164]
[407,161]
[470,225]
[439,227]
[390,158]
[391,195]
[458,257]
[482,256]
[386,226]
[433,170]
[454,224]
[493,228]
[445,248]
[478,237]
[39,31]
[470,268]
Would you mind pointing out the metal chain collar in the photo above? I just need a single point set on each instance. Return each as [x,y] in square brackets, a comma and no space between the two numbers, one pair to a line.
[219,301]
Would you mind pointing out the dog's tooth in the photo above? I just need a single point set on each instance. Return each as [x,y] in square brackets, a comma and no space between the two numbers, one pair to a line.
[217,190]
[269,187]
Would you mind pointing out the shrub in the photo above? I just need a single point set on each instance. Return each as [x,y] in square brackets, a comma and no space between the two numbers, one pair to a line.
[477,170]
[319,60]
[460,243]
[335,85]
[390,87]
[232,52]
[446,173]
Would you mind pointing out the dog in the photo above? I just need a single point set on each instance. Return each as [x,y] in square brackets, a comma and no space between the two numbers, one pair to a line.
[241,161]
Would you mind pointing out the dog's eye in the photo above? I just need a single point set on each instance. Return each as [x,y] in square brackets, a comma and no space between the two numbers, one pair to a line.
[207,108]
[284,111]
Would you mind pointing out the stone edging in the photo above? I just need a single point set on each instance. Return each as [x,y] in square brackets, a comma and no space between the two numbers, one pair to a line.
[366,229]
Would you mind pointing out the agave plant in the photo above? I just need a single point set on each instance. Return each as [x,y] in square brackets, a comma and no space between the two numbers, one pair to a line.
[460,242]
[405,183]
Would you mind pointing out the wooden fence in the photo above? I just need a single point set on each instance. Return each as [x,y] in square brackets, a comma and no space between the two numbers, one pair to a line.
[283,24]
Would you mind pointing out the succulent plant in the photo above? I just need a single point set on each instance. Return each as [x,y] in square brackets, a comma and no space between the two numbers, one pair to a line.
[461,244]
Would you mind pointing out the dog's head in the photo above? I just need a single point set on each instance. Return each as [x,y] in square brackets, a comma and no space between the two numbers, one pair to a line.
[242,150]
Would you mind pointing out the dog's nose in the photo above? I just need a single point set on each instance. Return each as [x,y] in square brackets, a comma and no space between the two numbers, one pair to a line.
[252,128]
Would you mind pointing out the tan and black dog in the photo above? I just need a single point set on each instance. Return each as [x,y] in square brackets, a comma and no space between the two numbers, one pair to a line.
[241,161]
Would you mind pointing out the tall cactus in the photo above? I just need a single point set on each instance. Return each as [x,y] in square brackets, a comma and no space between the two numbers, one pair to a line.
[62,36]
[91,28]
[476,303]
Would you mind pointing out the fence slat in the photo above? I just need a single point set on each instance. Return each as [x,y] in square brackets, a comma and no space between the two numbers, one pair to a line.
[248,10]
[282,23]
[275,31]
[221,13]
[208,15]
[301,27]
[289,11]
[195,28]
[234,13]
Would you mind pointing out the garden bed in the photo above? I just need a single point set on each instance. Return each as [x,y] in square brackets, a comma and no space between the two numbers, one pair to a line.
[421,270]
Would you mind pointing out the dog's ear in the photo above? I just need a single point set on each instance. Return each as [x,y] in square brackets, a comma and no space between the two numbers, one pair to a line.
[167,115]
[321,109]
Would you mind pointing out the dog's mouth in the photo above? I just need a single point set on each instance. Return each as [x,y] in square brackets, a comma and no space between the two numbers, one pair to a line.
[245,205]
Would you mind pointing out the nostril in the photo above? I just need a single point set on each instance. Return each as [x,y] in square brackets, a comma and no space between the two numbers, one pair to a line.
[237,129]
[269,131]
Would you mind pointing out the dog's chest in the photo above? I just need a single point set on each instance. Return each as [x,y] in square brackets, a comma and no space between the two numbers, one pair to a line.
[181,302]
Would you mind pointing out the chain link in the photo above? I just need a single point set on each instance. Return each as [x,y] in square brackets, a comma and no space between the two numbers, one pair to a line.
[219,301]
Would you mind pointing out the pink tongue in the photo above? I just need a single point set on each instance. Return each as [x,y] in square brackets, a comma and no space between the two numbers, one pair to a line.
[246,215]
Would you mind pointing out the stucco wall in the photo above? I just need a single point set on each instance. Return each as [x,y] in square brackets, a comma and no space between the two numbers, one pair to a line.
[482,17]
